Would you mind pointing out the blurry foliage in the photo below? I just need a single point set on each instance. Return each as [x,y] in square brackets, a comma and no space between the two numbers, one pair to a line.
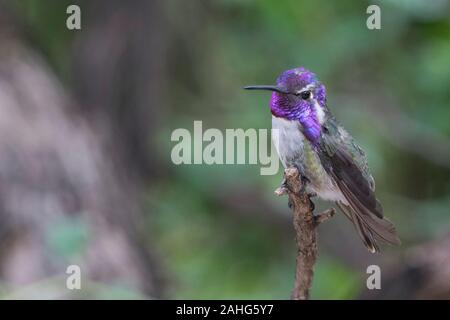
[218,46]
[43,21]
[68,238]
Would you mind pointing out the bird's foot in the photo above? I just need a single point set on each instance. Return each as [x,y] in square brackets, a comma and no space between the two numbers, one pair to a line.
[324,216]
[312,205]
[304,182]
[290,204]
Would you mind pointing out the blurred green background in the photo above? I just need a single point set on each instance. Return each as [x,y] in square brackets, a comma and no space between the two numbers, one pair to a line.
[144,68]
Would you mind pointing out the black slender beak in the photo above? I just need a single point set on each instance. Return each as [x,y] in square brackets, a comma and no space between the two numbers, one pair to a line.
[270,88]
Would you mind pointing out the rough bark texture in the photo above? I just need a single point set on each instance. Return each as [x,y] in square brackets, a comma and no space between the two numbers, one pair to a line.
[305,224]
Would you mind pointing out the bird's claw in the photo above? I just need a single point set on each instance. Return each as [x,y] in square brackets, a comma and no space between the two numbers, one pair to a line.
[313,206]
[290,204]
[304,183]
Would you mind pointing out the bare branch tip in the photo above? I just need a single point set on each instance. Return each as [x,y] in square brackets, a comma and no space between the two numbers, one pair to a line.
[324,216]
[281,191]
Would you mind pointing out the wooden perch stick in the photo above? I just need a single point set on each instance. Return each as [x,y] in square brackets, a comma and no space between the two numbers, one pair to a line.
[305,224]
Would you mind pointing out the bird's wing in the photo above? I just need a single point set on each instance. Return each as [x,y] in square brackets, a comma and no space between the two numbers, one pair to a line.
[346,163]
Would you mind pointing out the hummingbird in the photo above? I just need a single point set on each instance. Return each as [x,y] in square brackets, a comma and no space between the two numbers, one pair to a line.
[331,164]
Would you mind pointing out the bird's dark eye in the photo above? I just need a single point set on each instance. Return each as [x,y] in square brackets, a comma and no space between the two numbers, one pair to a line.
[305,94]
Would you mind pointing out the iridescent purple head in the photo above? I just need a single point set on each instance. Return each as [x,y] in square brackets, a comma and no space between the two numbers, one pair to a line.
[299,96]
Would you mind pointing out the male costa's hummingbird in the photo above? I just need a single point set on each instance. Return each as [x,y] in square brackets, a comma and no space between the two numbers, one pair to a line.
[331,164]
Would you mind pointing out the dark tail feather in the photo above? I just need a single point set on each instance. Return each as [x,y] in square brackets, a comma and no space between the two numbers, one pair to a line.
[372,218]
[364,233]
[361,205]
[371,229]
